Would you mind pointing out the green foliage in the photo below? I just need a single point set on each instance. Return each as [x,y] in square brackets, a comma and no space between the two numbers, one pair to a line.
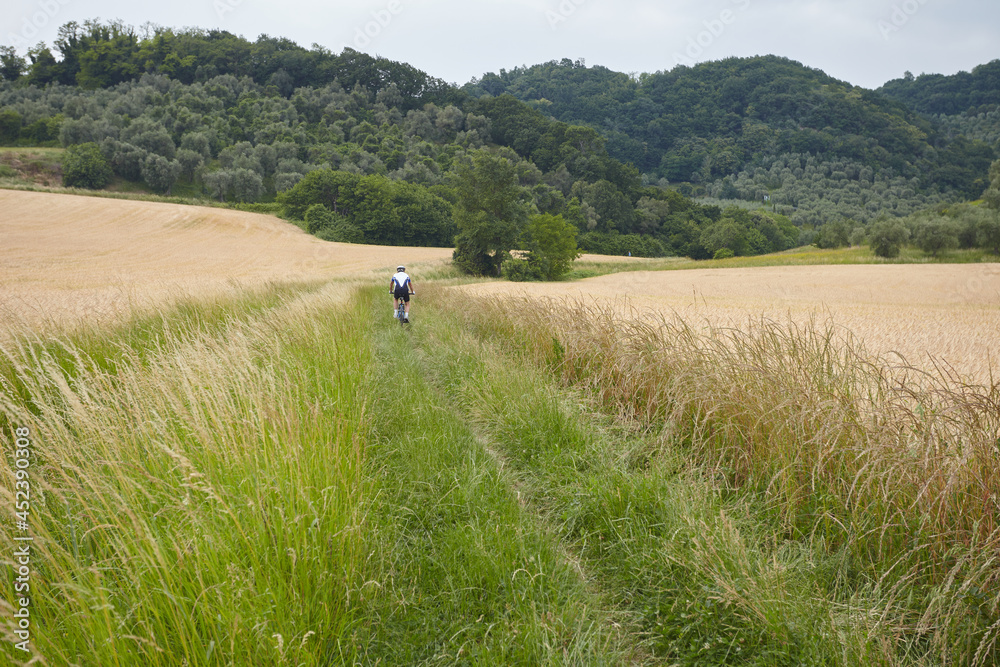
[623,245]
[723,253]
[331,226]
[551,243]
[992,194]
[160,173]
[835,234]
[518,270]
[12,66]
[399,159]
[936,234]
[84,166]
[947,94]
[10,126]
[858,236]
[490,212]
[705,123]
[384,211]
[988,232]
[747,233]
[886,237]
[101,55]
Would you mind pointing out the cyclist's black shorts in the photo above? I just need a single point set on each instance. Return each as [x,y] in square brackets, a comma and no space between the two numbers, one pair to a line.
[402,293]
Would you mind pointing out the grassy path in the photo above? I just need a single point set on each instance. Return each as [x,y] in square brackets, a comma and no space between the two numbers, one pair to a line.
[627,554]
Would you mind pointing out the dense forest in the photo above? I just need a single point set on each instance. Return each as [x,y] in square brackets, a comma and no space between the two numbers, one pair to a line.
[766,128]
[776,150]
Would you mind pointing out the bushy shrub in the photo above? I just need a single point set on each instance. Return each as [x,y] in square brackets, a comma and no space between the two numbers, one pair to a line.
[636,245]
[86,167]
[552,245]
[518,270]
[330,226]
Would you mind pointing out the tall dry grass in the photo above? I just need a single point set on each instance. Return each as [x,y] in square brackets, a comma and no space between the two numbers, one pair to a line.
[896,466]
[196,498]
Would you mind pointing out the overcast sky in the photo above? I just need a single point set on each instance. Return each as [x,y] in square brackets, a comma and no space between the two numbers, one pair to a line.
[865,42]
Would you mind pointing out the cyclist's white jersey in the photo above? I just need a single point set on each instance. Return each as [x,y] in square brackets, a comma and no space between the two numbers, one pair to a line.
[401,280]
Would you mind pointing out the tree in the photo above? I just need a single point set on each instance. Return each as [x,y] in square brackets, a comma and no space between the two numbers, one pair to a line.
[725,234]
[834,234]
[85,167]
[126,160]
[489,213]
[160,173]
[886,237]
[552,245]
[190,161]
[219,183]
[10,126]
[988,232]
[937,234]
[12,66]
[247,185]
[858,236]
[992,194]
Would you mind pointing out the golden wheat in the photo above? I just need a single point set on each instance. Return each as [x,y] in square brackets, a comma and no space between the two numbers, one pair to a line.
[69,257]
[935,314]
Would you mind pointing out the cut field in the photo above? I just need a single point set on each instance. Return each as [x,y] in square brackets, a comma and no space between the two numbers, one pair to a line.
[950,312]
[69,257]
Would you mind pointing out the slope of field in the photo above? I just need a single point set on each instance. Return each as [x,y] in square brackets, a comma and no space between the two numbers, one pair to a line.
[67,257]
[947,311]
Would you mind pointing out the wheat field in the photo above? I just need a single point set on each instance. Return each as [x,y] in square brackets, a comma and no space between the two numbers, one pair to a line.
[917,314]
[69,257]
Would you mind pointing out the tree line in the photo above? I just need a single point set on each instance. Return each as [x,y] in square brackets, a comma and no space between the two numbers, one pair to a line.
[98,54]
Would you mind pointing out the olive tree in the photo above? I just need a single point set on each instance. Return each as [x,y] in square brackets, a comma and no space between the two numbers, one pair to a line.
[160,173]
[886,237]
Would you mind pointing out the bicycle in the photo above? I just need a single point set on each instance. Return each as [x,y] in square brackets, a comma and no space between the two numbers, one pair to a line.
[401,313]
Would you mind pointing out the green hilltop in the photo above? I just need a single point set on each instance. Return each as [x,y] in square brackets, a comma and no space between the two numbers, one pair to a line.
[746,128]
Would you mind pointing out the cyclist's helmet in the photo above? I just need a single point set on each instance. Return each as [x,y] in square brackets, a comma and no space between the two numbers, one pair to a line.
[401,268]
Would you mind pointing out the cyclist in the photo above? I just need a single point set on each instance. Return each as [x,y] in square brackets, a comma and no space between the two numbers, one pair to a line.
[401,287]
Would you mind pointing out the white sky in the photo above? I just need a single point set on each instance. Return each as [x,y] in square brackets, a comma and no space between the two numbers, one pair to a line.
[865,42]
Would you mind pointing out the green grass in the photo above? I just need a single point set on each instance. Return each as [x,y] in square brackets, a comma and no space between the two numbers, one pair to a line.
[805,256]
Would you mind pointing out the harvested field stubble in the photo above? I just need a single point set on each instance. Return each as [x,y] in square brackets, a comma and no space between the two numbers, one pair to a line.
[895,468]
